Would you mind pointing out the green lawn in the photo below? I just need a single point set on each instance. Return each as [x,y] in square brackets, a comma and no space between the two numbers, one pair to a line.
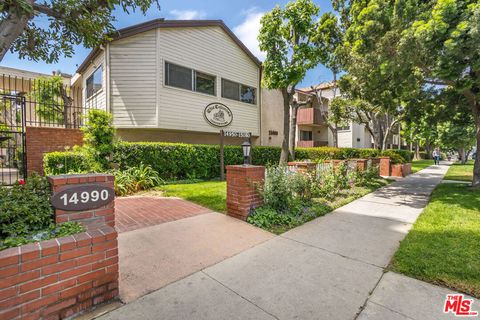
[210,194]
[460,172]
[443,246]
[418,165]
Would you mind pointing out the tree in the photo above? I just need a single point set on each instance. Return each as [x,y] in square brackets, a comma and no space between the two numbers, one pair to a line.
[87,22]
[53,103]
[329,39]
[286,35]
[445,38]
[378,81]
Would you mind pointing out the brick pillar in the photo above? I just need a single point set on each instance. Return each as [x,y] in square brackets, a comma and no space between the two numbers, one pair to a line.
[385,170]
[362,164]
[92,218]
[242,194]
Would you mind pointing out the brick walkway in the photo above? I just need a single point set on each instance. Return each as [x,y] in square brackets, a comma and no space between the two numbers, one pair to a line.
[133,213]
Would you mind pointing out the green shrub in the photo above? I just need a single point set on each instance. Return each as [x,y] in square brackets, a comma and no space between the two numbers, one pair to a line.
[266,218]
[25,208]
[279,189]
[98,136]
[178,161]
[67,162]
[395,157]
[53,231]
[135,179]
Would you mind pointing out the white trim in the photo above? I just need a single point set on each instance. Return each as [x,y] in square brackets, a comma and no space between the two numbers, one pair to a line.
[107,79]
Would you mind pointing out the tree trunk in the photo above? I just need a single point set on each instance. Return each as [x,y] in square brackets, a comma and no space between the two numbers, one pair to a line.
[334,135]
[476,165]
[67,106]
[293,131]
[11,28]
[417,150]
[461,154]
[427,149]
[286,126]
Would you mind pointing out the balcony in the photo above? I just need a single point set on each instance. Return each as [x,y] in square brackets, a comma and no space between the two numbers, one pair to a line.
[311,143]
[309,116]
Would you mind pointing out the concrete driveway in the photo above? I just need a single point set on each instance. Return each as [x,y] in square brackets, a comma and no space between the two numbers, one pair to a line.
[330,268]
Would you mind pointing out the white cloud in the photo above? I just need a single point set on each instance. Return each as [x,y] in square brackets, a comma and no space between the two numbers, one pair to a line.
[248,31]
[187,14]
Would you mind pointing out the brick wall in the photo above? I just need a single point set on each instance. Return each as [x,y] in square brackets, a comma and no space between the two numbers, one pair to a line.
[58,278]
[44,140]
[242,194]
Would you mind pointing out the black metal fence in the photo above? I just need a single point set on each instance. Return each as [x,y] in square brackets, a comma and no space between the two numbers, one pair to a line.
[40,102]
[12,139]
[49,101]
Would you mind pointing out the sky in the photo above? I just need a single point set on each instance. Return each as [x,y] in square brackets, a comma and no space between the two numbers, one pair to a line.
[242,16]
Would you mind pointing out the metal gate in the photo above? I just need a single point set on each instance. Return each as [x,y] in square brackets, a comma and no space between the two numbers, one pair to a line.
[13,164]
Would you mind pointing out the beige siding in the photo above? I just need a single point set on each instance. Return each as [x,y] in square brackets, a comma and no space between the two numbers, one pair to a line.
[272,117]
[133,80]
[98,100]
[209,50]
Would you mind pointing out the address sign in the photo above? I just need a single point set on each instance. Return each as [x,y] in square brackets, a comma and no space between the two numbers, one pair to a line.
[83,197]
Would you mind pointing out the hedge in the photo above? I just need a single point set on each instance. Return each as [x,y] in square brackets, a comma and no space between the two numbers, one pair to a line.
[195,161]
[66,162]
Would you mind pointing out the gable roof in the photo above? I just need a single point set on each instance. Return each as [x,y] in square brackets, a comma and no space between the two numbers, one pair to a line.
[162,23]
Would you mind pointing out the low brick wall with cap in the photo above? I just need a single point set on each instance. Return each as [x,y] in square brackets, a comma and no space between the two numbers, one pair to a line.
[59,278]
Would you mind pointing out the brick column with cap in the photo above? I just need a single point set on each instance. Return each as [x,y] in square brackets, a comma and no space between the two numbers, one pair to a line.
[385,169]
[362,164]
[242,189]
[93,218]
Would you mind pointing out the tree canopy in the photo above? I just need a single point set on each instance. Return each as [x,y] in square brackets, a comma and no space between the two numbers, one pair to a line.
[287,36]
[24,29]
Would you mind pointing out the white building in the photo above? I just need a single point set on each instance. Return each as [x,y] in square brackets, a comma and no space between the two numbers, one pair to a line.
[175,81]
[312,131]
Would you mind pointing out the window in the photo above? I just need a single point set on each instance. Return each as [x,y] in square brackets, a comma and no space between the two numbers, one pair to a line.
[344,128]
[189,79]
[236,91]
[247,94]
[306,135]
[230,90]
[204,83]
[177,76]
[94,82]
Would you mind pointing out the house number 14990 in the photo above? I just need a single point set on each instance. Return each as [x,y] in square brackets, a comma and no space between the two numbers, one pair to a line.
[84,197]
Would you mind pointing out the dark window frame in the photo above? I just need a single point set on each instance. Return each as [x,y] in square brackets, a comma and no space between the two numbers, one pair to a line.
[240,85]
[308,132]
[193,79]
[93,92]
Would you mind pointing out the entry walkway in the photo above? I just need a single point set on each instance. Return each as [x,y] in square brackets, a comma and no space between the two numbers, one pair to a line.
[132,213]
[330,268]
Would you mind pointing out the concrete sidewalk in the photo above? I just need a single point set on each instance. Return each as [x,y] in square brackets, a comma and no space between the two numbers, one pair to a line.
[329,268]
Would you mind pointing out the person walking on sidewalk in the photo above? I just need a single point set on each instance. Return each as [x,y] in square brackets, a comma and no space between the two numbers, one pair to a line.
[436,156]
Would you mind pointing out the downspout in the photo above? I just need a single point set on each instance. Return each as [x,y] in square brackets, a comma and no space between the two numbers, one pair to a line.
[260,104]
[107,78]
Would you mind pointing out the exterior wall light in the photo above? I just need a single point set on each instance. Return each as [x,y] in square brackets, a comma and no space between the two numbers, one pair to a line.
[246,147]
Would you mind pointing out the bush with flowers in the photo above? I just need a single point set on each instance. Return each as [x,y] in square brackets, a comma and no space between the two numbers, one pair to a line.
[292,198]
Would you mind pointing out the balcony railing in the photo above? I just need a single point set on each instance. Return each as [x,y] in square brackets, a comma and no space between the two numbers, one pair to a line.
[309,116]
[311,143]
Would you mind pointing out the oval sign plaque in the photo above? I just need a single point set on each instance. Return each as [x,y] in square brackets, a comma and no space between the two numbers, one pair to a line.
[218,115]
[83,197]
